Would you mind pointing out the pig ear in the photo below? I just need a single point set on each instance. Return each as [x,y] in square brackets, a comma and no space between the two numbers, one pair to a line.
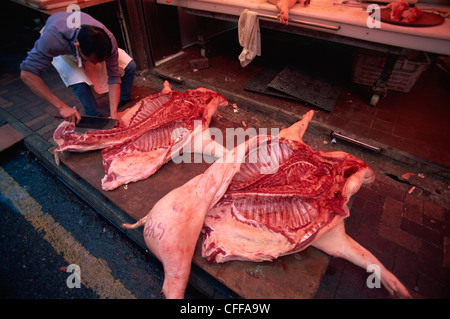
[297,130]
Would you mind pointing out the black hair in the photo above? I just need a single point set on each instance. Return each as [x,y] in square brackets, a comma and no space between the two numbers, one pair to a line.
[94,40]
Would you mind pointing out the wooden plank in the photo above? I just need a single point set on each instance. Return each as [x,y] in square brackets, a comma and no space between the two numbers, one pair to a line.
[9,137]
[136,199]
[295,276]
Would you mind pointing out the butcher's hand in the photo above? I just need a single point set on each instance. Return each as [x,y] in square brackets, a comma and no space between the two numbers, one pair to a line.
[114,115]
[70,114]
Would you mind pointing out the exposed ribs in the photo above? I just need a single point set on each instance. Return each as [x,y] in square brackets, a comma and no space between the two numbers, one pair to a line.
[291,202]
[147,136]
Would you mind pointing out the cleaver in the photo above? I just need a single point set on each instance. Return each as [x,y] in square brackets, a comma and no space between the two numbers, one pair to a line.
[89,123]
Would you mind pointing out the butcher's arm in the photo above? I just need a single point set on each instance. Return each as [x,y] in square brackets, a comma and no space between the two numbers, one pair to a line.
[114,98]
[38,87]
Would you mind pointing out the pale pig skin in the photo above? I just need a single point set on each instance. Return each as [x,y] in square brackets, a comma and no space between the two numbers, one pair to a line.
[173,226]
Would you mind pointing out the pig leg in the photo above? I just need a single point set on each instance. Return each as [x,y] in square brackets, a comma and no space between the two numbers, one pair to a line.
[284,6]
[173,225]
[337,243]
[297,130]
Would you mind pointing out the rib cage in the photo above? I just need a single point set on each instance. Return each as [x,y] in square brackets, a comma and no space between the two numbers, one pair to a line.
[288,199]
[267,213]
[276,213]
[261,159]
[160,137]
[148,107]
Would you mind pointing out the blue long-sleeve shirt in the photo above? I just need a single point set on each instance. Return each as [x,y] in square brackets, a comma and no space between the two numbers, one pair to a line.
[58,39]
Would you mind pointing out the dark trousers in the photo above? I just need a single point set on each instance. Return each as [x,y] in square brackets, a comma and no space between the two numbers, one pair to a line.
[85,96]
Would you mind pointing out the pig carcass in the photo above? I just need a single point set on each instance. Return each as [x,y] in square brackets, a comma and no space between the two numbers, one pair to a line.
[149,134]
[268,197]
[284,6]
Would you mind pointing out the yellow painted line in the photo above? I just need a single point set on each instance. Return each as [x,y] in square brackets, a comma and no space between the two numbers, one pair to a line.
[94,272]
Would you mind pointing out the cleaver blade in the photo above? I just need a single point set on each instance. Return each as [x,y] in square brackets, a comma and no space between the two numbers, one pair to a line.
[89,123]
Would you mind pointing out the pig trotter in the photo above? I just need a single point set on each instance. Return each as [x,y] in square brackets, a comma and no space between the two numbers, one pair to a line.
[283,17]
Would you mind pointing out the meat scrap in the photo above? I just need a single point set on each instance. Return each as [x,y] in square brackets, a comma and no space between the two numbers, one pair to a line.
[397,8]
[268,197]
[411,15]
[401,12]
[284,6]
[148,134]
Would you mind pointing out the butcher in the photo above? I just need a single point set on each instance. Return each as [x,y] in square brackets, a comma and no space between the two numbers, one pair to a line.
[86,57]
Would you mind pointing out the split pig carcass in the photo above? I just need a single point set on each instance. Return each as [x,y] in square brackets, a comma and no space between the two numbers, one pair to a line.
[268,197]
[153,131]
